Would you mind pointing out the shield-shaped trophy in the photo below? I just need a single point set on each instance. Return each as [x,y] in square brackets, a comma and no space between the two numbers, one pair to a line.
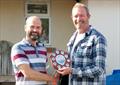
[57,59]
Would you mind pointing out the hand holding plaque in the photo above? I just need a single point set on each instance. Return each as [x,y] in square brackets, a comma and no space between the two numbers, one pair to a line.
[56,60]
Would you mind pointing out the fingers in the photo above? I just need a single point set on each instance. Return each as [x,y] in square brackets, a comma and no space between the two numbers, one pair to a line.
[63,68]
[65,71]
[60,72]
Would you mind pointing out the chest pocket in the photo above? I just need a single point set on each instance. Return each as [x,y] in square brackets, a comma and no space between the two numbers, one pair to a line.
[85,49]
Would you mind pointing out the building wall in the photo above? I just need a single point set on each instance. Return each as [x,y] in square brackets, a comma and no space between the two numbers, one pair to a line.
[12,18]
[62,26]
[105,16]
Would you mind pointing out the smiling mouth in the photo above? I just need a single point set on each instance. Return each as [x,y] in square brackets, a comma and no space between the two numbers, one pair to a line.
[34,33]
[81,21]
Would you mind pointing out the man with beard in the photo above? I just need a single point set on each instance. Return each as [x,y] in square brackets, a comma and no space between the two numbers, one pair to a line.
[29,57]
[87,50]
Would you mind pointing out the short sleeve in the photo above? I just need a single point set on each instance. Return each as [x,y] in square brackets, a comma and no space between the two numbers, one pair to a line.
[18,56]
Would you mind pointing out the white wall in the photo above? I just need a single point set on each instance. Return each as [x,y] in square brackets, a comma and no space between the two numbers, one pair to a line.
[105,16]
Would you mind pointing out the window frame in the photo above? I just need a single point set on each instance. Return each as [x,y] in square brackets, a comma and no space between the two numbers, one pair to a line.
[42,16]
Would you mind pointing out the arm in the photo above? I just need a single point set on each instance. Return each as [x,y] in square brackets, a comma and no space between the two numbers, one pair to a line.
[32,74]
[21,64]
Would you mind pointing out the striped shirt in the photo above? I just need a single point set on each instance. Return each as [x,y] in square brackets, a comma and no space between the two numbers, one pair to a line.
[88,59]
[24,53]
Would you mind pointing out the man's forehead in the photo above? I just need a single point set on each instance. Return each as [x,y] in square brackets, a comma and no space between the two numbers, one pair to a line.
[79,9]
[33,19]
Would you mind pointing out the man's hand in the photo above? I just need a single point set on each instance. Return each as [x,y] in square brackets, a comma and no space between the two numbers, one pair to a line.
[64,70]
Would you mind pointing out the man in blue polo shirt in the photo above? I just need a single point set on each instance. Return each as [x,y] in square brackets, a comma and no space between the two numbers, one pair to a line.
[29,57]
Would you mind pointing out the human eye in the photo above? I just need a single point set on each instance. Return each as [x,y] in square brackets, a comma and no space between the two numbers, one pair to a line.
[31,26]
[38,27]
[76,16]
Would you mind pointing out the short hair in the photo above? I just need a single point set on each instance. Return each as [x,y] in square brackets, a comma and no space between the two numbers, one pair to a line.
[78,5]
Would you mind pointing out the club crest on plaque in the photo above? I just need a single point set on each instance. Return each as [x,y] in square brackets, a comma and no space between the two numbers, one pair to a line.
[59,59]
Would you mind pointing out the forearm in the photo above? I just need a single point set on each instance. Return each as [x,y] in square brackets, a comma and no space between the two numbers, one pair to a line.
[33,74]
[90,72]
[37,76]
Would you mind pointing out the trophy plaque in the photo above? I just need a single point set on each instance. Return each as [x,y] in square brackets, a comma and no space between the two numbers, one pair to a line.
[59,59]
[56,60]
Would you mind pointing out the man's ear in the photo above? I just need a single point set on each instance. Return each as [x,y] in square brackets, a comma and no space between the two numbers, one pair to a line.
[89,16]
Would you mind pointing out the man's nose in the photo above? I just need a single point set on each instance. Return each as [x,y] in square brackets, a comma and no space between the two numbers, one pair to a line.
[78,18]
[34,29]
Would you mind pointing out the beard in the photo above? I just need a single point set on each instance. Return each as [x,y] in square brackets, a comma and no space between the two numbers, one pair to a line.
[34,36]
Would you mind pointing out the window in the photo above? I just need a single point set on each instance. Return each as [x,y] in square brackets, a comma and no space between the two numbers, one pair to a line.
[37,9]
[40,8]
